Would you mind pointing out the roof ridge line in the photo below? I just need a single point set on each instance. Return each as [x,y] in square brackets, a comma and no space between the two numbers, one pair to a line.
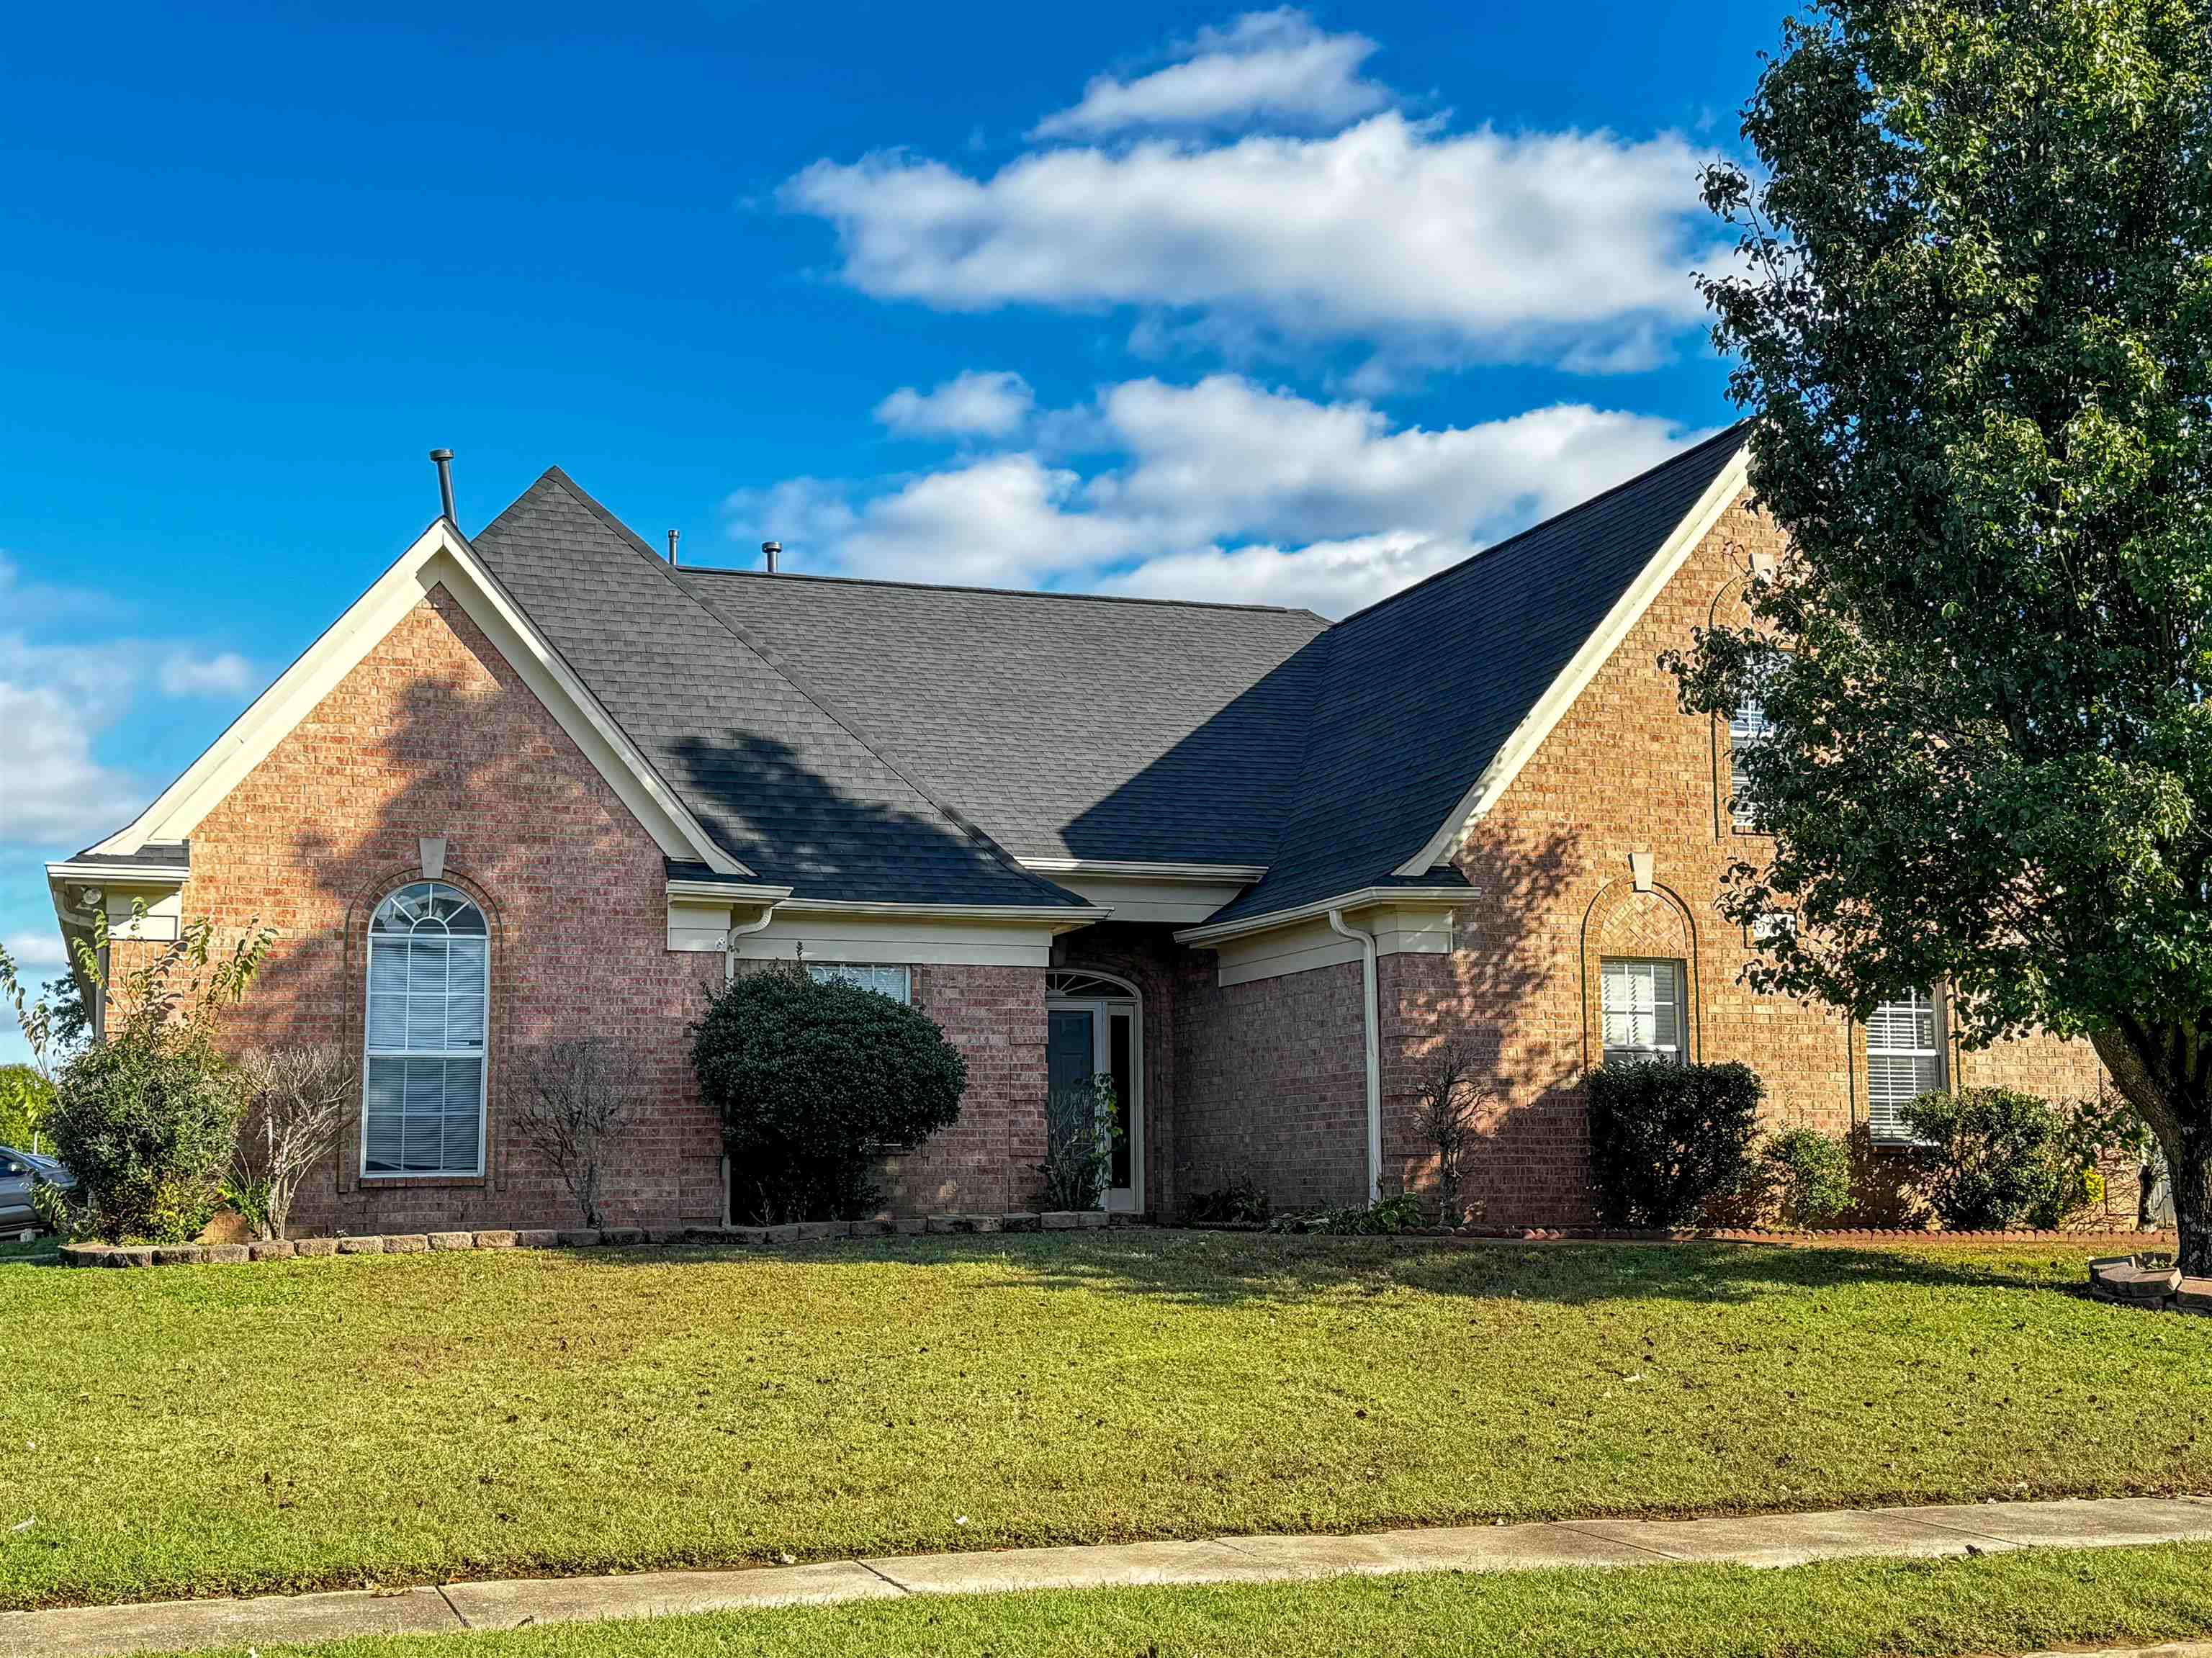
[774,664]
[1007,592]
[1580,507]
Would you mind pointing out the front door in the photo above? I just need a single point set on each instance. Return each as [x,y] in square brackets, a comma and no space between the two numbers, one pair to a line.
[1089,1035]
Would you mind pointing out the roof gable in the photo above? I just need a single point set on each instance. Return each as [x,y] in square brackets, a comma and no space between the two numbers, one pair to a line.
[1432,699]
[440,557]
[777,776]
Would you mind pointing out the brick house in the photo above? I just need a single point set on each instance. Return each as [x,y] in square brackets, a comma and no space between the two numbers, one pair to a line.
[542,781]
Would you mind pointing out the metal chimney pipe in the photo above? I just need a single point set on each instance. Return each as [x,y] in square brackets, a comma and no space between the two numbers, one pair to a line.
[768,551]
[673,536]
[444,460]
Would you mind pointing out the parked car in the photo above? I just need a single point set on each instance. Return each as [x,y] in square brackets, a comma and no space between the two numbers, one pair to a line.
[20,1174]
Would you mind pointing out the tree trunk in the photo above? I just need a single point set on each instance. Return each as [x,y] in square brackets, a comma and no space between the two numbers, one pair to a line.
[2161,1070]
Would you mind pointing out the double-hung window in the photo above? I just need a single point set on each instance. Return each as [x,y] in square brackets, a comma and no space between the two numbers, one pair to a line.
[895,982]
[429,975]
[1904,1060]
[1642,1006]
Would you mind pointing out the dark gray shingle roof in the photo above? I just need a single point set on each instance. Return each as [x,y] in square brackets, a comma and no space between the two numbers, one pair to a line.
[1064,726]
[896,743]
[778,779]
[1419,691]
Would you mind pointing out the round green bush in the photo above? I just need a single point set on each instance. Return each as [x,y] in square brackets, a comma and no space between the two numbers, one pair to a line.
[813,1079]
[1994,1158]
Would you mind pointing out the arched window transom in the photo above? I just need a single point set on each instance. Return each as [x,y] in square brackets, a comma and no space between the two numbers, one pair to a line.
[429,977]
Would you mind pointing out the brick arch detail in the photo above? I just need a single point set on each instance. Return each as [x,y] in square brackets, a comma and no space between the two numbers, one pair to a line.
[361,909]
[1623,921]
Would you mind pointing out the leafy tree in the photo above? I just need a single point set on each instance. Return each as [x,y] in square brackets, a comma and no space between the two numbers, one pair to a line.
[1971,318]
[146,1120]
[812,1078]
[26,1097]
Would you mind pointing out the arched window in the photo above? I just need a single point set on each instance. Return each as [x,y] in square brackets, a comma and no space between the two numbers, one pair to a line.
[422,1099]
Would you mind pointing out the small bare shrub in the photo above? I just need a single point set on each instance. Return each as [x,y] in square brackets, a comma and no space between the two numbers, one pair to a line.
[576,1096]
[1447,1102]
[298,1101]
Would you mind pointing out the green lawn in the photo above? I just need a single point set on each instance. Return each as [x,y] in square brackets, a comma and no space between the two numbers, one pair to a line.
[1998,1604]
[403,1418]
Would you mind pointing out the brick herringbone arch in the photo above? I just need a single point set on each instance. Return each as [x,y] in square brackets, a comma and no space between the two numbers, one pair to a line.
[1622,921]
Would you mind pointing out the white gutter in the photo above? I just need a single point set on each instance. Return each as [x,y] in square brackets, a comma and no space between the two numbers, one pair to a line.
[1366,898]
[1371,1018]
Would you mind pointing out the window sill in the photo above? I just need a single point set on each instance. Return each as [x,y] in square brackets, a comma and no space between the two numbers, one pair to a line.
[383,1181]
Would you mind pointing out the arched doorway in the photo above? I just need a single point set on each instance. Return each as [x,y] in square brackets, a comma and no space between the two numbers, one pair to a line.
[1094,1024]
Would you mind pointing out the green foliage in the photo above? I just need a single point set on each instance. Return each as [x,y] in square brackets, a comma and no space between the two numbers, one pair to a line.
[1079,1134]
[1667,1140]
[810,1079]
[1808,1175]
[1241,1202]
[146,1120]
[26,1097]
[248,1193]
[63,1219]
[1387,1217]
[1970,315]
[1992,1158]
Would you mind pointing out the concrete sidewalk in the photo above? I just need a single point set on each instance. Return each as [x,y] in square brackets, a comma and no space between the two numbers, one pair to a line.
[1782,1539]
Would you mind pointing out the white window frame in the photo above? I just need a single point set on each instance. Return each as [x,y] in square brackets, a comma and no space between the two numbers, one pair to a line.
[1677,977]
[481,1054]
[852,972]
[1883,1124]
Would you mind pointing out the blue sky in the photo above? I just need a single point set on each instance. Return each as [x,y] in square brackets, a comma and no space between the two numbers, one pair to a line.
[1291,304]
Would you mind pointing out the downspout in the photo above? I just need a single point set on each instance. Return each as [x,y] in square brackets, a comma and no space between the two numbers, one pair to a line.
[1370,1020]
[729,971]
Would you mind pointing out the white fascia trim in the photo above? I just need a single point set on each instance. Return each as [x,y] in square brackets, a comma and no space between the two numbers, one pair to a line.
[124,875]
[438,557]
[1573,679]
[1073,914]
[1245,874]
[1364,898]
[733,893]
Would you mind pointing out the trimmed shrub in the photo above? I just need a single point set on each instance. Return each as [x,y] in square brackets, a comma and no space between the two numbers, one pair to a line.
[1808,1175]
[1667,1140]
[1992,1158]
[810,1079]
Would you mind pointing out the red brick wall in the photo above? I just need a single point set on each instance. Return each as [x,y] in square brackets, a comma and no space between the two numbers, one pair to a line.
[1271,1084]
[1624,770]
[987,1161]
[434,733]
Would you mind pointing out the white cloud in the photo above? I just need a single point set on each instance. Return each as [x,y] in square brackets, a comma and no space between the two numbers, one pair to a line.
[54,701]
[977,404]
[184,673]
[1265,66]
[39,949]
[1332,577]
[1221,489]
[1561,246]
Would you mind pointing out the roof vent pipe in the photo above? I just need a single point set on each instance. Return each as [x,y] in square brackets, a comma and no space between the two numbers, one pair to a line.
[768,551]
[674,536]
[443,458]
